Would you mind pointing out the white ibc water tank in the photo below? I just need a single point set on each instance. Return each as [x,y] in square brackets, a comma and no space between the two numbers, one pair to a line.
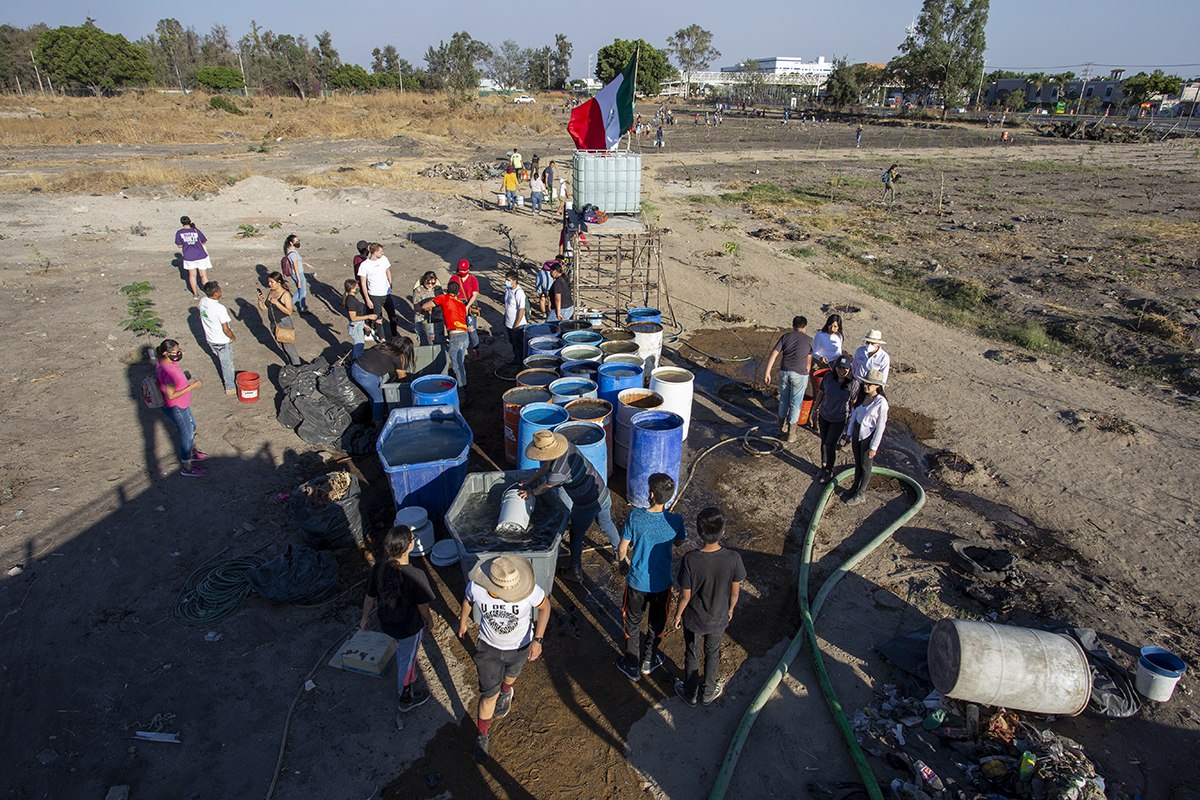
[611,181]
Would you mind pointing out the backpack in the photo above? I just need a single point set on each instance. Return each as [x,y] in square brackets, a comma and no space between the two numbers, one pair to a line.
[285,266]
[152,395]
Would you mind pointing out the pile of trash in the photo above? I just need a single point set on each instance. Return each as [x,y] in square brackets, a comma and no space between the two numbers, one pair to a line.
[327,511]
[325,407]
[1098,132]
[942,745]
[464,171]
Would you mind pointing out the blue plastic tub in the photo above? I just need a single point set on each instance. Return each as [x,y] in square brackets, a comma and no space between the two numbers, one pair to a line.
[579,369]
[590,337]
[613,377]
[656,445]
[424,452]
[536,417]
[435,390]
[589,439]
[564,390]
[635,315]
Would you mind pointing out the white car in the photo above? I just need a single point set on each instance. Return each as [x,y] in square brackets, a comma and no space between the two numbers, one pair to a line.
[523,98]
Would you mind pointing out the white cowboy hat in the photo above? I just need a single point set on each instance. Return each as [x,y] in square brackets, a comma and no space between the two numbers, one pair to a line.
[874,337]
[876,377]
[508,577]
[546,446]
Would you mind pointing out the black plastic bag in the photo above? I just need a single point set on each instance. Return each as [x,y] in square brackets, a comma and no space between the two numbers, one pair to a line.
[324,421]
[359,439]
[288,416]
[337,385]
[297,575]
[328,524]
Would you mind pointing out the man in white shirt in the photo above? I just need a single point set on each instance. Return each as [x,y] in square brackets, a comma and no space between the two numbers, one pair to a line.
[375,277]
[515,308]
[870,356]
[215,319]
[504,589]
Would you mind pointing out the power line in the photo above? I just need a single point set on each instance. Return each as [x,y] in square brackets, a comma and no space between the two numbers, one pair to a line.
[1097,64]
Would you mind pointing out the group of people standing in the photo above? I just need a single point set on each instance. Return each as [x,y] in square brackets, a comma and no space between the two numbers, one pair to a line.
[546,186]
[848,394]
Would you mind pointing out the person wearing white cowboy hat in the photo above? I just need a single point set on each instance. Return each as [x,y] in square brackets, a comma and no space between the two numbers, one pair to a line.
[864,430]
[870,356]
[567,470]
[504,589]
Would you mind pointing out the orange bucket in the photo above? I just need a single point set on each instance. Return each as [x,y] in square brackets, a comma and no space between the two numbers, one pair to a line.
[247,386]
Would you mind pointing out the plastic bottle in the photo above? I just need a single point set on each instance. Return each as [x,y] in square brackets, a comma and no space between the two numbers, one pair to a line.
[1028,762]
[929,776]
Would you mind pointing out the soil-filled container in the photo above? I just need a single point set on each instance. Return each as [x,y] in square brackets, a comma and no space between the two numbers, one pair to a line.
[424,452]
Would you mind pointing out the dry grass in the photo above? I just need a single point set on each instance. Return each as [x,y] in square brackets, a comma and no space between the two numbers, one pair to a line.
[151,117]
[1163,328]
[106,181]
[395,178]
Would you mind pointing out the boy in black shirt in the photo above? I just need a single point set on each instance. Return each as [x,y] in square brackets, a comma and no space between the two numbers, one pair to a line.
[710,582]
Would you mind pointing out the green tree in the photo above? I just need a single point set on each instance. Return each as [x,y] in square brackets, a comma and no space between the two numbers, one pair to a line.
[85,56]
[537,69]
[871,80]
[945,50]
[693,51]
[751,80]
[289,65]
[454,66]
[508,65]
[653,67]
[326,57]
[352,77]
[219,79]
[560,61]
[1141,87]
[1015,100]
[842,87]
[216,49]
[16,69]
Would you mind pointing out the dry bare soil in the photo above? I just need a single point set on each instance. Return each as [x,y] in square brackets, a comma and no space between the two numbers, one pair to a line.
[1040,304]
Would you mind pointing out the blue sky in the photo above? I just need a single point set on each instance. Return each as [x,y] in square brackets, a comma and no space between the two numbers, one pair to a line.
[1021,33]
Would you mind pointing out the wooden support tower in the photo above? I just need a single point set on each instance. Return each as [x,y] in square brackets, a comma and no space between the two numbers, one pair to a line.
[620,268]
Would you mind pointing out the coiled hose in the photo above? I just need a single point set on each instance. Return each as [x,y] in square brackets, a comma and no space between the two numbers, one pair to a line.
[808,613]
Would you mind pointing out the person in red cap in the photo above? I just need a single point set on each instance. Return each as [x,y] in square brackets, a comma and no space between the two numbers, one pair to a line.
[468,292]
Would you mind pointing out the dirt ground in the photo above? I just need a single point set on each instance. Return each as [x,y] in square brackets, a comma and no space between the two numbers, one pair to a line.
[1041,322]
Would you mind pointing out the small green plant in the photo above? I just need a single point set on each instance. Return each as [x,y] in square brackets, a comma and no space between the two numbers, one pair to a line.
[801,252]
[261,147]
[276,225]
[248,231]
[38,260]
[730,248]
[219,103]
[1029,335]
[143,320]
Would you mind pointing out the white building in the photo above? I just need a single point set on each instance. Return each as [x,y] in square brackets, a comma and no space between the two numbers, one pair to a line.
[790,66]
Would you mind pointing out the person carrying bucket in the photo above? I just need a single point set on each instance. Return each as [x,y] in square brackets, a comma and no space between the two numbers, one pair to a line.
[454,312]
[564,468]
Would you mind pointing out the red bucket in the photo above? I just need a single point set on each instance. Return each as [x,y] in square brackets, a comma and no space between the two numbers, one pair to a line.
[247,387]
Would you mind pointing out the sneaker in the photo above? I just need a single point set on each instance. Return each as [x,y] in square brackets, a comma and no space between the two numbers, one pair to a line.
[654,663]
[824,476]
[855,500]
[482,743]
[504,702]
[413,696]
[192,472]
[789,435]
[198,455]
[681,690]
[628,670]
[231,392]
[708,701]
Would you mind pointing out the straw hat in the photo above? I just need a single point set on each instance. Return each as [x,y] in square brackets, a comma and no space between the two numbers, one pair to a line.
[507,577]
[876,377]
[546,446]
[874,337]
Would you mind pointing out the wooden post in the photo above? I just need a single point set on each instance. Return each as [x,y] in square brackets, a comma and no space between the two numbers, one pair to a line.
[37,72]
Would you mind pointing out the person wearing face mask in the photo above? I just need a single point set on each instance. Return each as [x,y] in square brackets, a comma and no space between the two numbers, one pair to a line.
[831,414]
[516,306]
[176,390]
[870,356]
[864,430]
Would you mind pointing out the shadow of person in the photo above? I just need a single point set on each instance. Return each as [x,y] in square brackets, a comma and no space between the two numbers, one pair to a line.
[148,418]
[330,295]
[256,323]
[404,215]
[177,263]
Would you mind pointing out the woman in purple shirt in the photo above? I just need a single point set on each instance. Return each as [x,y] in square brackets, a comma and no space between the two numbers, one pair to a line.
[190,240]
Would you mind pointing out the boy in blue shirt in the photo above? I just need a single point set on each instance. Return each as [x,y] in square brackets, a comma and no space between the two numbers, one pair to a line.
[647,539]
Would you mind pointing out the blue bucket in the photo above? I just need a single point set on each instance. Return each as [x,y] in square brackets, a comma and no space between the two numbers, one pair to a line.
[656,445]
[635,315]
[579,369]
[589,439]
[614,377]
[435,390]
[536,417]
[564,390]
[582,337]
[424,453]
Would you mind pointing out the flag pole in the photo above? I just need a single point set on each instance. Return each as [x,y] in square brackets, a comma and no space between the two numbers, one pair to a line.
[637,53]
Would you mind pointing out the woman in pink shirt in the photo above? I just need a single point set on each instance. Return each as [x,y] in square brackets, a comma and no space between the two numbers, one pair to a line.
[177,396]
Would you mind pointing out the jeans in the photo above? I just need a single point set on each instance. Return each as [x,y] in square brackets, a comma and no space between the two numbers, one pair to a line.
[472,332]
[185,424]
[300,296]
[654,606]
[516,339]
[456,355]
[510,199]
[355,330]
[830,433]
[369,382]
[582,518]
[224,354]
[553,316]
[791,395]
[406,661]
[535,200]
[862,463]
[693,644]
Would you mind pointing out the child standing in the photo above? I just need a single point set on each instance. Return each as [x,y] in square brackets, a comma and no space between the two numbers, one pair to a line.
[649,535]
[710,580]
[215,319]
[402,594]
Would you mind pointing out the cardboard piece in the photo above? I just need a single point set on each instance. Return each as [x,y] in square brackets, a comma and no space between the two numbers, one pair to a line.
[367,653]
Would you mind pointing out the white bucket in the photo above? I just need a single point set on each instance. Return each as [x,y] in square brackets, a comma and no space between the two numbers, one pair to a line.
[514,513]
[520,201]
[676,387]
[648,336]
[1157,673]
[625,412]
[1016,668]
[501,199]
[423,535]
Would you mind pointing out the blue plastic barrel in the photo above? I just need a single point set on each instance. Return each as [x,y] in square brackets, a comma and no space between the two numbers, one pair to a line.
[544,344]
[536,417]
[582,337]
[435,390]
[424,452]
[635,315]
[540,329]
[656,445]
[542,361]
[573,325]
[613,377]
[564,390]
[588,438]
[579,369]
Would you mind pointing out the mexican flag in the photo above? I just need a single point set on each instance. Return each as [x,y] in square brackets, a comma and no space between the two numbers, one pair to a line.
[600,123]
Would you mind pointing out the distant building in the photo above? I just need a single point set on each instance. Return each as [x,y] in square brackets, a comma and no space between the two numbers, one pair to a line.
[1049,93]
[785,66]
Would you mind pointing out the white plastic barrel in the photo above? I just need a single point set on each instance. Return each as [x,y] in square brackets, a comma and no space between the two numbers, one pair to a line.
[630,402]
[1003,665]
[514,513]
[423,535]
[648,336]
[676,386]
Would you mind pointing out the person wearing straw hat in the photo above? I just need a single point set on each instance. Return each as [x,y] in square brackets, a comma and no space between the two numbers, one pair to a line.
[504,589]
[864,430]
[566,469]
[870,356]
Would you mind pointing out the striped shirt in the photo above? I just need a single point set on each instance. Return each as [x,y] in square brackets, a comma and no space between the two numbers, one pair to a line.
[576,475]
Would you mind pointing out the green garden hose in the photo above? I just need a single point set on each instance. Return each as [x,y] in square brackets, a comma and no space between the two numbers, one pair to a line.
[808,614]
